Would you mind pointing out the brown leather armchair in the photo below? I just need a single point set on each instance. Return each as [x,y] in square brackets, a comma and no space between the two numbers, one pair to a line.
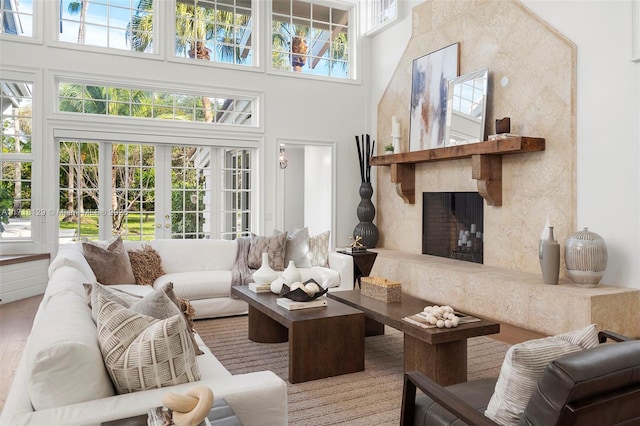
[598,386]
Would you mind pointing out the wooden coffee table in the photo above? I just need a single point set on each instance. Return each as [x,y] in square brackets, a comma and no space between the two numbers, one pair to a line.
[440,353]
[323,342]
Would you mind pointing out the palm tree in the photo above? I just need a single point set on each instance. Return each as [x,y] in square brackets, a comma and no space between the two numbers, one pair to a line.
[81,7]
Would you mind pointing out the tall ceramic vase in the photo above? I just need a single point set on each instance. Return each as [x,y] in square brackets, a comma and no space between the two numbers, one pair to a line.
[264,274]
[550,259]
[366,230]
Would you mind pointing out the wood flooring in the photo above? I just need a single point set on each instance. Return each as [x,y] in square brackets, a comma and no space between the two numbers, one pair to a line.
[16,319]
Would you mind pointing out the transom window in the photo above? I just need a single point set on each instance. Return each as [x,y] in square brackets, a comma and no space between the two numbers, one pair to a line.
[86,98]
[17,17]
[117,24]
[310,38]
[16,160]
[380,13]
[215,30]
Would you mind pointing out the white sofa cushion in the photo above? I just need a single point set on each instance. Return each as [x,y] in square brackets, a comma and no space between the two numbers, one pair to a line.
[141,352]
[198,284]
[71,255]
[64,362]
[196,255]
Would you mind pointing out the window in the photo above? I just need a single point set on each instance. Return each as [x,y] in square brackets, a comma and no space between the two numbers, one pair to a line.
[17,17]
[152,191]
[16,160]
[85,98]
[310,38]
[236,192]
[116,24]
[380,13]
[215,30]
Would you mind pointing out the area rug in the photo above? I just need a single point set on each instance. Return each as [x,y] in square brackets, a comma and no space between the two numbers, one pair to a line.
[370,397]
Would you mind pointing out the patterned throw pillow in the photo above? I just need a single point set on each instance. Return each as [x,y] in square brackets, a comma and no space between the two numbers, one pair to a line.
[153,304]
[523,366]
[275,246]
[146,264]
[110,263]
[141,352]
[319,249]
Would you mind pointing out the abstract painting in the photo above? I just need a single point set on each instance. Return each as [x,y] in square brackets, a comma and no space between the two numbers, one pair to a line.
[429,82]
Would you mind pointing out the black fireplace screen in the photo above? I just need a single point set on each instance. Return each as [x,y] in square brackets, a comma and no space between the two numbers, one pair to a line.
[452,225]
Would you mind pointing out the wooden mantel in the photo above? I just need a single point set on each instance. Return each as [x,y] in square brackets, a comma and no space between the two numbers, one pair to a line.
[486,164]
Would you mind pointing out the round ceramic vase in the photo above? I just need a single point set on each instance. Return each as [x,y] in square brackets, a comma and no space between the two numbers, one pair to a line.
[291,274]
[586,257]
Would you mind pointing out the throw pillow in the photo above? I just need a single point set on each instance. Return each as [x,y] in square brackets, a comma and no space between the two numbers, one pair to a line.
[94,289]
[275,246]
[319,249]
[110,263]
[143,353]
[160,304]
[297,248]
[523,366]
[146,264]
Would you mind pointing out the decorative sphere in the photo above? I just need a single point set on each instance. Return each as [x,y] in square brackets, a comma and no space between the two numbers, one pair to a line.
[311,288]
[440,324]
[297,285]
[276,285]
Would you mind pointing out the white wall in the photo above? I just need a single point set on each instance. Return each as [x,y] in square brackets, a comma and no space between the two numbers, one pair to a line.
[608,117]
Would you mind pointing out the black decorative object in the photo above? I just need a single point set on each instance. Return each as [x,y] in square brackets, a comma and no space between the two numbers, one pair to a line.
[299,295]
[366,230]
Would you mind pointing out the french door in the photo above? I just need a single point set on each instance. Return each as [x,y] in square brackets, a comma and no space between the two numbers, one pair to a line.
[146,191]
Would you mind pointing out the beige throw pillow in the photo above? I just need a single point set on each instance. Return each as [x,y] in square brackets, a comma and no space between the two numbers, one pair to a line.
[146,264]
[141,352]
[319,249]
[110,263]
[275,246]
[523,366]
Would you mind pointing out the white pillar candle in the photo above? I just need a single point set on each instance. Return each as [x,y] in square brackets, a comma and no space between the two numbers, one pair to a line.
[469,243]
[478,234]
[464,239]
[395,127]
[473,228]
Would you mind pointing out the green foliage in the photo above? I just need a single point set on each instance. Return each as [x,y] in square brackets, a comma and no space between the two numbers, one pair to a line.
[6,203]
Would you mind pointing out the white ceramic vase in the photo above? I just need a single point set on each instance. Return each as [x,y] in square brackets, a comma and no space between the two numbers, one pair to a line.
[264,274]
[291,274]
[585,255]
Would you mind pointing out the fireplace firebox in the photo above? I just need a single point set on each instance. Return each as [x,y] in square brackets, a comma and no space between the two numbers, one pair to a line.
[452,225]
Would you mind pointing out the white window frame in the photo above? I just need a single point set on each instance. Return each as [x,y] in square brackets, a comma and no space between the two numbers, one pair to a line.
[352,7]
[52,27]
[35,243]
[373,10]
[37,22]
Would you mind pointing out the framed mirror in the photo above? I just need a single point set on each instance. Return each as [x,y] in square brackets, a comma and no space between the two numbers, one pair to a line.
[466,107]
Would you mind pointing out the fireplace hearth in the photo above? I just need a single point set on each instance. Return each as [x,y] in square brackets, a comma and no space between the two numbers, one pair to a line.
[452,225]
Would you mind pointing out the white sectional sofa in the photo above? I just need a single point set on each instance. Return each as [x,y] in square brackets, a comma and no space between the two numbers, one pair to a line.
[201,272]
[61,378]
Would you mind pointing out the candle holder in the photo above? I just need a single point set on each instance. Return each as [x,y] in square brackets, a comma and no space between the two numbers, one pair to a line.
[395,133]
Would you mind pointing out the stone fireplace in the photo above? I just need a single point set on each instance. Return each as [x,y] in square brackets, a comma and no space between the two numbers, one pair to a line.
[452,224]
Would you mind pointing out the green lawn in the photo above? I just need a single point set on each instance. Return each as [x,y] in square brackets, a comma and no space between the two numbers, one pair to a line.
[135,225]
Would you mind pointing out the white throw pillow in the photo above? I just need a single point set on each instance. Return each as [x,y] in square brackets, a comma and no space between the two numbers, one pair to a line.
[523,366]
[141,352]
[297,248]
